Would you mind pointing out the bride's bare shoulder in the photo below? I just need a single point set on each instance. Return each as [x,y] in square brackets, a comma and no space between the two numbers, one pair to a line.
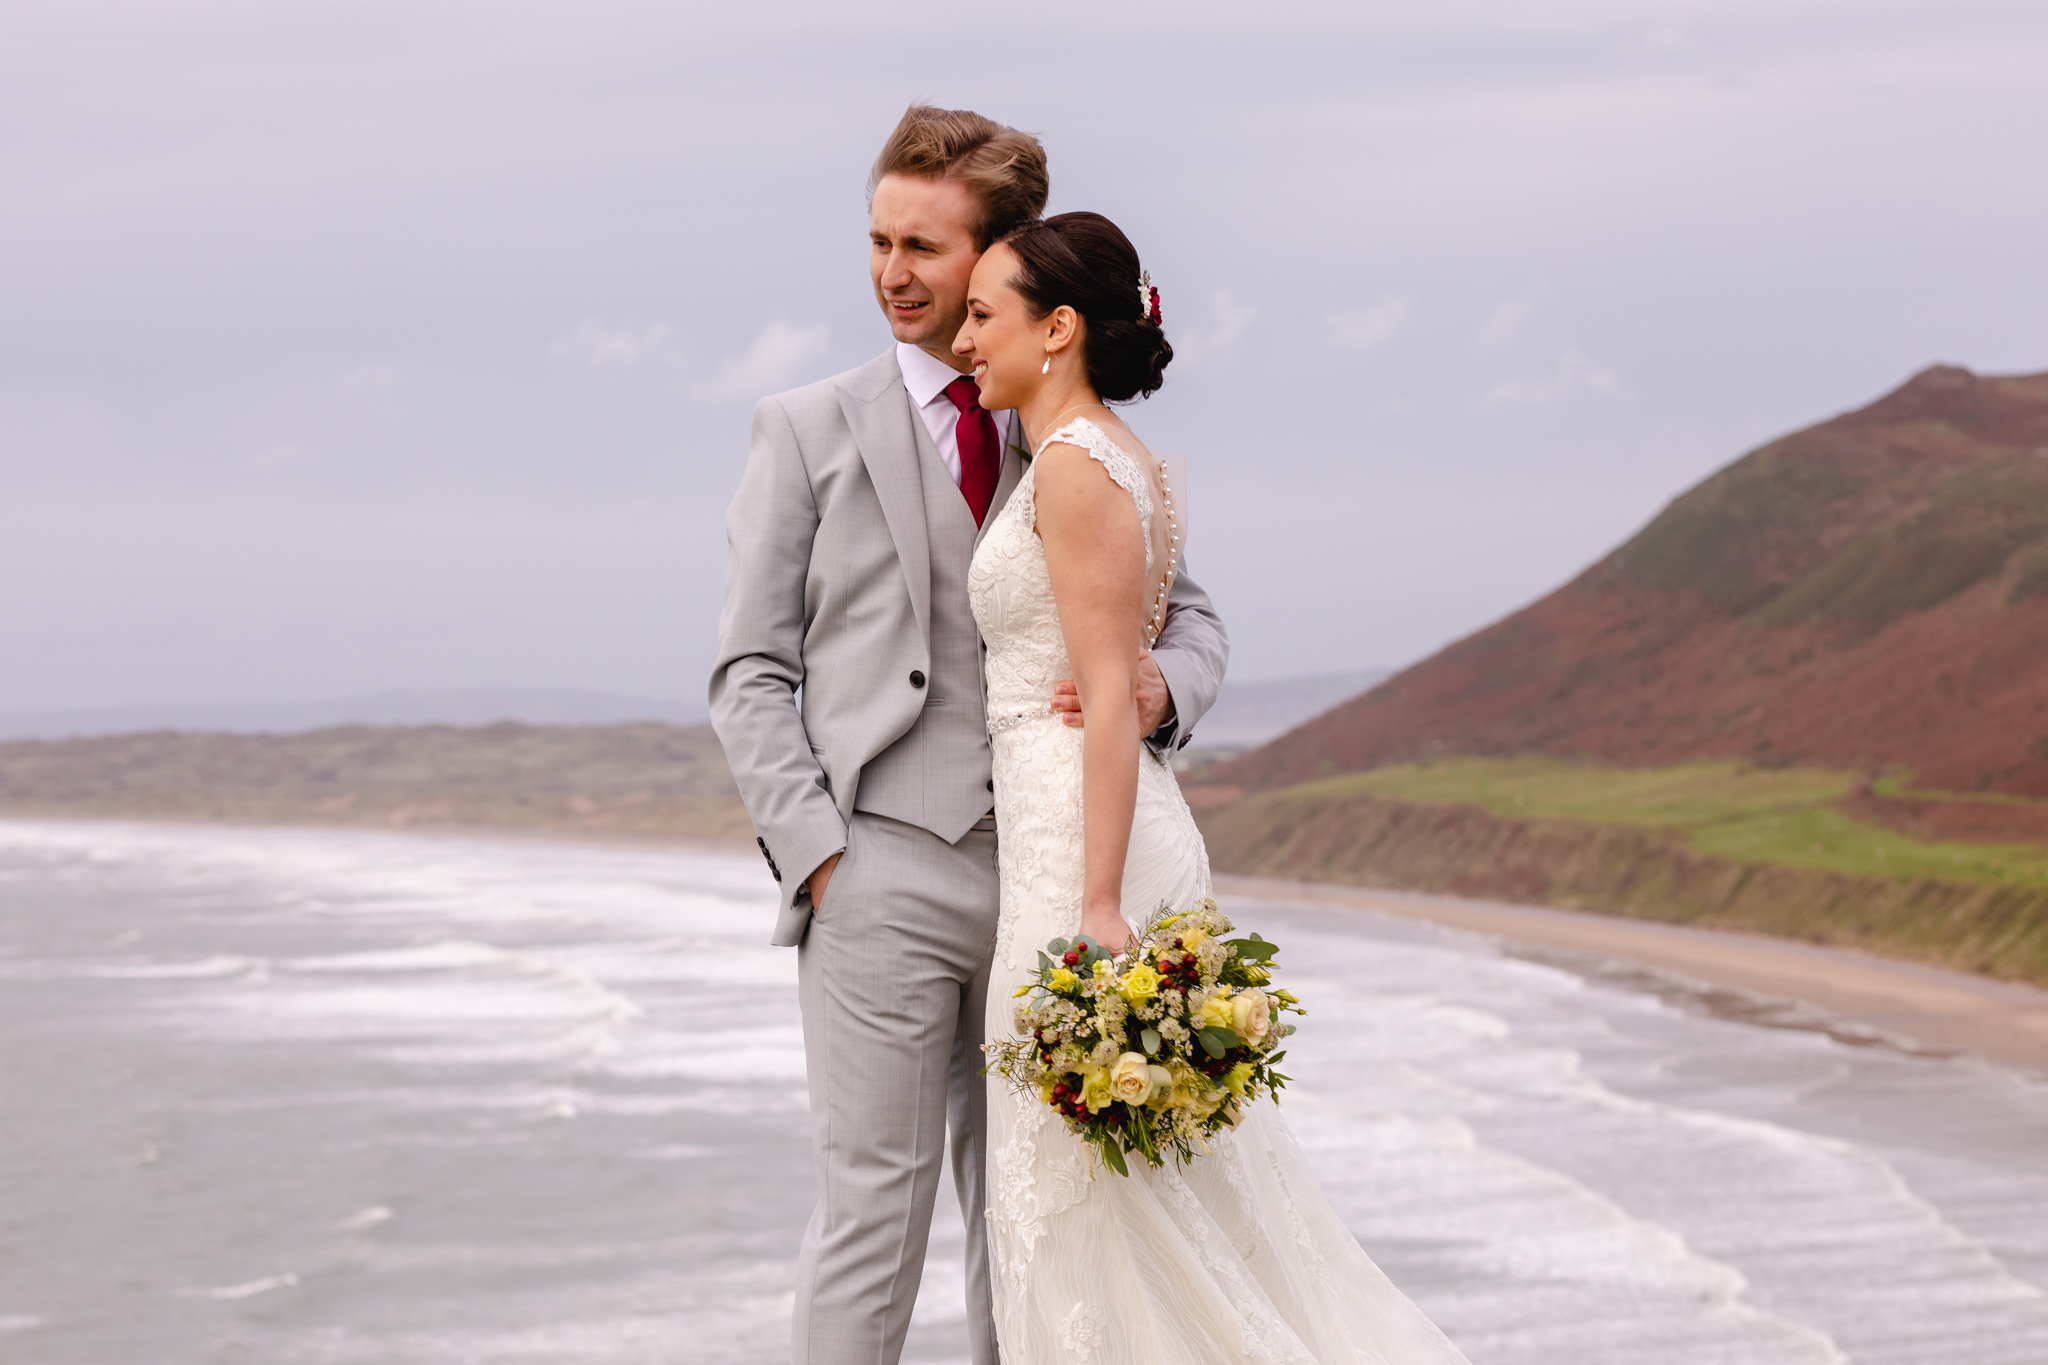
[1082,469]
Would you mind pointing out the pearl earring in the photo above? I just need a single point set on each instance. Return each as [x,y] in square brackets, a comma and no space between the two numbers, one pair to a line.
[1046,368]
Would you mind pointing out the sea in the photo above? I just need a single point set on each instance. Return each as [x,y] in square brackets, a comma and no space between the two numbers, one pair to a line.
[306,1097]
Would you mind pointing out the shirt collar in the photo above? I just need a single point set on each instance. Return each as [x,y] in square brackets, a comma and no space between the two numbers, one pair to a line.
[925,376]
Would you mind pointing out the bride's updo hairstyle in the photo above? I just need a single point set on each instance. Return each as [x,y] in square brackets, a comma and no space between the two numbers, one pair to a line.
[1084,261]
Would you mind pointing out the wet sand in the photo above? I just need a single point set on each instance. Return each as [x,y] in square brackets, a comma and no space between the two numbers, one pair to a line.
[1926,1008]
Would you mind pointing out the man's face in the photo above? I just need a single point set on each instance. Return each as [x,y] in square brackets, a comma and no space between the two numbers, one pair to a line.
[923,251]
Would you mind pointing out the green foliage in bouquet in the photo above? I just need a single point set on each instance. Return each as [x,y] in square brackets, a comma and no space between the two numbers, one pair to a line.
[1151,1050]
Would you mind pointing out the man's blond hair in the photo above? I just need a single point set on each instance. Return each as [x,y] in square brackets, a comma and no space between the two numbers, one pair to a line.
[1002,168]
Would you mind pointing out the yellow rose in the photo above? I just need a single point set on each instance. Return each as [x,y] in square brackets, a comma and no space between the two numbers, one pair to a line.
[1141,983]
[1095,1088]
[1062,979]
[1251,1014]
[1216,1012]
[1130,1078]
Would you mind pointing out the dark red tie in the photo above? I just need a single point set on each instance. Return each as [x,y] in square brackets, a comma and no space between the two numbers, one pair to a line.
[981,450]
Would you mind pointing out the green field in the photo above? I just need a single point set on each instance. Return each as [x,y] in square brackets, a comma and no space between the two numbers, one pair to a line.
[1785,817]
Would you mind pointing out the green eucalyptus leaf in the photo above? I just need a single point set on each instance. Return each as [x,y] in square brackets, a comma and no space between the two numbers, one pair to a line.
[1254,949]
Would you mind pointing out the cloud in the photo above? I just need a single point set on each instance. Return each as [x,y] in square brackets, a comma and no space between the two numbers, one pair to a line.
[598,345]
[774,361]
[1574,374]
[1224,325]
[1506,321]
[1368,326]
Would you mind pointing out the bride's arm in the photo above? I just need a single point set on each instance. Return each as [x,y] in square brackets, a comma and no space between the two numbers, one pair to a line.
[1095,553]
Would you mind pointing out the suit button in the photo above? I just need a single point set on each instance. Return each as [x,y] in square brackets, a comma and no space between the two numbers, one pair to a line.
[917,677]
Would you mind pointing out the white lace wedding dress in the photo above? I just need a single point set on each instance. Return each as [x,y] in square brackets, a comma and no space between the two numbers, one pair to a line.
[1234,1258]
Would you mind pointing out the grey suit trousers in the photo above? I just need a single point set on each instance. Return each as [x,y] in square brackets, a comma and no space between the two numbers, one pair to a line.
[893,977]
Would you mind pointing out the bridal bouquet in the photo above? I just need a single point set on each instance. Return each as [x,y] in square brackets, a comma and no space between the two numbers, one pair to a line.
[1151,1050]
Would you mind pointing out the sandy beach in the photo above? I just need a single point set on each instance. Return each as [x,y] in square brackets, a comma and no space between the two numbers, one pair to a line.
[1859,993]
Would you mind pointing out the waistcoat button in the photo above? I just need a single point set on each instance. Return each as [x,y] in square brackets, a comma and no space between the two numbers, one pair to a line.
[917,677]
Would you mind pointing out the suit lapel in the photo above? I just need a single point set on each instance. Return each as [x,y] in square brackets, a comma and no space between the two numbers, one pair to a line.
[878,411]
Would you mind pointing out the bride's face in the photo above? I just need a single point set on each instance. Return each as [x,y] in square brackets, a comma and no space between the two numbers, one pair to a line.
[1005,344]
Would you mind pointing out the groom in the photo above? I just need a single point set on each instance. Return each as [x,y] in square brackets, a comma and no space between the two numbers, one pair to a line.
[848,696]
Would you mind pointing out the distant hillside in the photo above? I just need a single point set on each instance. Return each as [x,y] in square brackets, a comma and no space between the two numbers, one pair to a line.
[461,706]
[639,778]
[645,779]
[1870,591]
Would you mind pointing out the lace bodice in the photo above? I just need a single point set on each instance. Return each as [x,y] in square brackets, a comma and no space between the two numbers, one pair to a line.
[1010,588]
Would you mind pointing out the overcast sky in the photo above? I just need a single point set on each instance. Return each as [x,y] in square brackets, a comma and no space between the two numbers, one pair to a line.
[357,346]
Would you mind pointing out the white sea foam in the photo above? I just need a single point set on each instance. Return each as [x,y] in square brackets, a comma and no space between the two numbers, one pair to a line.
[1802,1237]
[1560,1168]
[441,956]
[217,966]
[247,1290]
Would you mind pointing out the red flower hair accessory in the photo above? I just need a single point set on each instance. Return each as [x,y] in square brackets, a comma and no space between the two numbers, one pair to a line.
[1148,299]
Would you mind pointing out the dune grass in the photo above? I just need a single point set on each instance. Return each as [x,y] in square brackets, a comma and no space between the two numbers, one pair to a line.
[1784,817]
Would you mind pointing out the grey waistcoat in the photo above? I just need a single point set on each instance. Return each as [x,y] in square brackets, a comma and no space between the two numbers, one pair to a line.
[937,775]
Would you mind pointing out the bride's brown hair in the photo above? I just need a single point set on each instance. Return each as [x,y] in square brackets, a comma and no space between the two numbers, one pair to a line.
[1084,261]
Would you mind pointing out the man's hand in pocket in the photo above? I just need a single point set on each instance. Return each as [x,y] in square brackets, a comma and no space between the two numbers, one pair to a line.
[818,880]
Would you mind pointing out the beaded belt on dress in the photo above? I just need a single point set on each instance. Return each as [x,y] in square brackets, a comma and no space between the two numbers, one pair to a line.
[998,724]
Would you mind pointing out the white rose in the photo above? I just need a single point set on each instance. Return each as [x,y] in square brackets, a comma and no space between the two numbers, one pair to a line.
[1162,1086]
[1251,1015]
[1130,1078]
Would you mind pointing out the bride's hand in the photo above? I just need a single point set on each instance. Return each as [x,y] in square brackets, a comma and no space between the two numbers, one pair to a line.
[1104,924]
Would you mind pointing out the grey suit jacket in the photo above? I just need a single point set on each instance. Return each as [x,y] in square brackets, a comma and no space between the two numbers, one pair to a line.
[828,609]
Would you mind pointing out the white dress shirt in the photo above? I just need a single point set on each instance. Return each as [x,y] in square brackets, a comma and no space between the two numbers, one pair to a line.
[925,377]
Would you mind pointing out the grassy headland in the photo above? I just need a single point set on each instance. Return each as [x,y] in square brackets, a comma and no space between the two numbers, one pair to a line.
[1787,817]
[1789,851]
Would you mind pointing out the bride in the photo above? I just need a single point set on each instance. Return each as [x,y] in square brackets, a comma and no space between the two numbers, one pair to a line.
[1235,1257]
